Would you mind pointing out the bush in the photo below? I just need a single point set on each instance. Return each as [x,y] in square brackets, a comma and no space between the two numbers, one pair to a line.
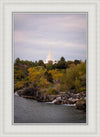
[51,91]
[77,84]
[82,89]
[19,85]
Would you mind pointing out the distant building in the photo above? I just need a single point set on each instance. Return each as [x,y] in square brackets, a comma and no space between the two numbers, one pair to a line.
[50,58]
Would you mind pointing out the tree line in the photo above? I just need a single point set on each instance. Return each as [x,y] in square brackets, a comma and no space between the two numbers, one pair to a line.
[61,64]
[50,78]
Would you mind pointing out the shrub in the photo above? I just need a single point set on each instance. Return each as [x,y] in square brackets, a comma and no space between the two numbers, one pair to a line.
[51,91]
[82,89]
[19,85]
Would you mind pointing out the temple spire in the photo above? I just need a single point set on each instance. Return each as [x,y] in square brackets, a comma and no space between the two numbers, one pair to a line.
[50,56]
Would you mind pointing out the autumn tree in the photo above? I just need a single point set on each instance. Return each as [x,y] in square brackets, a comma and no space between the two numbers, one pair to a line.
[75,76]
[37,77]
[49,76]
[56,75]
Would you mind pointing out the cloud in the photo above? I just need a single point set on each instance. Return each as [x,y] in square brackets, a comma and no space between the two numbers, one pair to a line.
[33,33]
[58,22]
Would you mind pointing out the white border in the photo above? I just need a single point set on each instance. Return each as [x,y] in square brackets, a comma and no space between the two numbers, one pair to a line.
[9,130]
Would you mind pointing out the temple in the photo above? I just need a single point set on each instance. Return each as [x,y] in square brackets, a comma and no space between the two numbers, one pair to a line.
[50,58]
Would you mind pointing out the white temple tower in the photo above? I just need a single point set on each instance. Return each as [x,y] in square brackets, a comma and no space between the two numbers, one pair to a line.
[49,57]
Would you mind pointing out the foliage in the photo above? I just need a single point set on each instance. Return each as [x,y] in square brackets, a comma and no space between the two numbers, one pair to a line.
[77,84]
[82,89]
[77,62]
[61,63]
[49,66]
[19,85]
[17,61]
[51,91]
[75,76]
[40,63]
[50,78]
[68,64]
[56,74]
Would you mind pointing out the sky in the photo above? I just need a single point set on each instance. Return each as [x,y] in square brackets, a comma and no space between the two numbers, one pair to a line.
[33,33]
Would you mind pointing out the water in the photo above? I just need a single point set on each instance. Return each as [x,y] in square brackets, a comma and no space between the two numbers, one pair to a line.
[31,111]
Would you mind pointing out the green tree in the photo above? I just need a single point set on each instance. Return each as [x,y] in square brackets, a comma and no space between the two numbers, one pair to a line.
[61,63]
[62,59]
[77,84]
[75,76]
[35,63]
[68,64]
[49,76]
[49,66]
[40,63]
[76,62]
[17,61]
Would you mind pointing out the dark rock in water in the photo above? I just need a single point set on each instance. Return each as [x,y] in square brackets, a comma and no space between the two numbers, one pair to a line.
[81,104]
[58,102]
[70,102]
[26,91]
[64,102]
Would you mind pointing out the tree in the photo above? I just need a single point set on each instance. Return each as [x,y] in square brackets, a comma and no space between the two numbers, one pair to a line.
[62,59]
[61,63]
[68,63]
[35,63]
[49,66]
[55,66]
[76,62]
[76,76]
[56,74]
[48,76]
[17,61]
[77,84]
[40,63]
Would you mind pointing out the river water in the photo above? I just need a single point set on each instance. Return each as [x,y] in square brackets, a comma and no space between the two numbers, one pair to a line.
[31,111]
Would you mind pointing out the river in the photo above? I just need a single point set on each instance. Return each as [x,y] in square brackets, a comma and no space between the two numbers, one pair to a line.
[31,111]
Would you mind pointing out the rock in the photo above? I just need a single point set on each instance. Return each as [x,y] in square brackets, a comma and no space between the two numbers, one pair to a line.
[26,92]
[70,102]
[61,98]
[52,97]
[81,104]
[58,102]
[63,102]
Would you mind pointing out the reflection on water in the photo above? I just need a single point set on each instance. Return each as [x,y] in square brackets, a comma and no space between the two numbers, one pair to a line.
[31,111]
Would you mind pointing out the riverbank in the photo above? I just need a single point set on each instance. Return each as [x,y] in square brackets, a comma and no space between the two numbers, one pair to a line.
[69,97]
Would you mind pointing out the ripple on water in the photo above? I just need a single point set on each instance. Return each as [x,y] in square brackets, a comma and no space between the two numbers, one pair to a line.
[31,111]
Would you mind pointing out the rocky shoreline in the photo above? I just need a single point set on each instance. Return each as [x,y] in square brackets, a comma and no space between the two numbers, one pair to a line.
[69,97]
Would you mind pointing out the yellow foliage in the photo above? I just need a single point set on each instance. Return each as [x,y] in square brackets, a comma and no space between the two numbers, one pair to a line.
[19,84]
[56,74]
[80,73]
[37,75]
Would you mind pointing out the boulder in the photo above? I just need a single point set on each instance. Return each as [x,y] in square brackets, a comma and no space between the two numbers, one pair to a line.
[81,104]
[58,102]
